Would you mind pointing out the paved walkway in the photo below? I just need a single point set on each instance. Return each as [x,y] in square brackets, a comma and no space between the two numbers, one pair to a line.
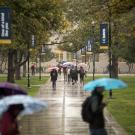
[62,117]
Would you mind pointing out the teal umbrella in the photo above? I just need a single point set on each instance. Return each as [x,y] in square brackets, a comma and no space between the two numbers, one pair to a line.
[107,83]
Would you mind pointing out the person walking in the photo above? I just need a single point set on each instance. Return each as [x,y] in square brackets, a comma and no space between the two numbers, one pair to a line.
[65,73]
[92,112]
[59,70]
[8,121]
[81,75]
[33,69]
[69,74]
[54,76]
[74,75]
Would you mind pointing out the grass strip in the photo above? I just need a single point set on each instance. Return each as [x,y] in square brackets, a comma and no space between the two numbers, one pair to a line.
[34,83]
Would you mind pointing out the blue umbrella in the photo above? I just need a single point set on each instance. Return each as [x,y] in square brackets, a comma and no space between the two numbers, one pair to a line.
[31,105]
[107,83]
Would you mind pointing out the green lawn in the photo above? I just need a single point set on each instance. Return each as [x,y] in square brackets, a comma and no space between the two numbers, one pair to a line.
[34,83]
[122,105]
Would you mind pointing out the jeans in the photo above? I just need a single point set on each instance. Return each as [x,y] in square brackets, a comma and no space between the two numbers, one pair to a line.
[100,131]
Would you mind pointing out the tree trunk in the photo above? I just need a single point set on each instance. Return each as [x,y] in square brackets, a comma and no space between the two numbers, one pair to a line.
[10,77]
[115,52]
[114,69]
[17,73]
[24,70]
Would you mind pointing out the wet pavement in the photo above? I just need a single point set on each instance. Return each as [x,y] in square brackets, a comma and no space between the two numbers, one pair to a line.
[62,117]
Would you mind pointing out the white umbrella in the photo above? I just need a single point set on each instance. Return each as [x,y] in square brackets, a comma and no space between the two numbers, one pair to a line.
[31,105]
[68,64]
[51,68]
[84,65]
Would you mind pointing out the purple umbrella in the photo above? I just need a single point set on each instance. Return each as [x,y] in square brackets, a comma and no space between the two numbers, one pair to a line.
[7,89]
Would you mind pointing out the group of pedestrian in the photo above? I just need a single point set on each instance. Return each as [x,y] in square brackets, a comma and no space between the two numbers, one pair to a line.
[93,106]
[70,75]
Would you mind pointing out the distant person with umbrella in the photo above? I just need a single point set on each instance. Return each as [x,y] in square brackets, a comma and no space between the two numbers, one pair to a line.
[65,73]
[54,76]
[74,75]
[81,74]
[33,69]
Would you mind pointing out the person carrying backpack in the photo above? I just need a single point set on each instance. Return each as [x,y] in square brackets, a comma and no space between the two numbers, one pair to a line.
[92,112]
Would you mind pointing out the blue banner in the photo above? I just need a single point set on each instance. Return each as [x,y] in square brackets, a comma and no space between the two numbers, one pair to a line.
[5,23]
[74,55]
[82,50]
[89,45]
[104,34]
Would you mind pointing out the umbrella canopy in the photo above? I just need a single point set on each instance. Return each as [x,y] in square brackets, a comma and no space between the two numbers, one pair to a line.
[67,64]
[107,83]
[51,68]
[84,65]
[31,105]
[7,89]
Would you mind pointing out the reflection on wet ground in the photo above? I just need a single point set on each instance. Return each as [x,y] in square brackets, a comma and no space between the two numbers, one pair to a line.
[62,117]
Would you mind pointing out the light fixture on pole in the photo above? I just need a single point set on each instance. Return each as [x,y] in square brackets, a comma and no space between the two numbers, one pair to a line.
[85,54]
[40,63]
[28,77]
[28,48]
[93,49]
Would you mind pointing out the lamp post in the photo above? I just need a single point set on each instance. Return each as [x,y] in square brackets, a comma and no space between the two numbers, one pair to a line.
[85,53]
[93,49]
[28,77]
[110,54]
[40,64]
[76,57]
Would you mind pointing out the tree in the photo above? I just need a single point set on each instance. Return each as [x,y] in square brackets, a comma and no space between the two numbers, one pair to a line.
[83,12]
[36,17]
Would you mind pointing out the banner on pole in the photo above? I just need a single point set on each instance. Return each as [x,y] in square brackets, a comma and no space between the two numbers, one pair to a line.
[32,41]
[5,25]
[104,36]
[74,55]
[89,45]
[83,51]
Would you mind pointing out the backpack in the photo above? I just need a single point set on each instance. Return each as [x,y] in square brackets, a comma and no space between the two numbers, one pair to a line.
[86,112]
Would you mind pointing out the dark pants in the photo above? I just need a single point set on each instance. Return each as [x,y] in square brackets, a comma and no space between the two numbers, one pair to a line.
[100,131]
[54,84]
